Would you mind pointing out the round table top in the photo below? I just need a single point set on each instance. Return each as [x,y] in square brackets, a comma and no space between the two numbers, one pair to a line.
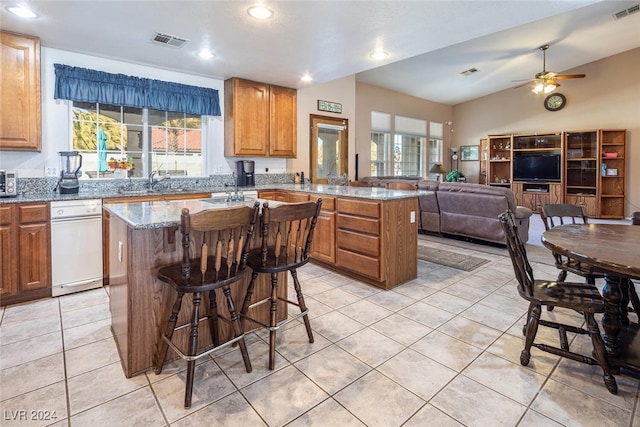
[614,248]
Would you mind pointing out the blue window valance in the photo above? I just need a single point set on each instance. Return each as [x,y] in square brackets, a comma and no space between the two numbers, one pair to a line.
[85,85]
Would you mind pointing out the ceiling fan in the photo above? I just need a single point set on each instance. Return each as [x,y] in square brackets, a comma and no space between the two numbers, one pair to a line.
[545,81]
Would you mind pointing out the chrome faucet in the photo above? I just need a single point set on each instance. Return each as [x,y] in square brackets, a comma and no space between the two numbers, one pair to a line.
[152,181]
[234,196]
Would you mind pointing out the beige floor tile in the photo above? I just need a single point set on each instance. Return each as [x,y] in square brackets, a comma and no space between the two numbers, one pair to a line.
[401,329]
[495,410]
[138,408]
[417,373]
[363,399]
[370,346]
[293,343]
[445,301]
[101,385]
[336,298]
[31,310]
[283,396]
[230,411]
[82,316]
[83,299]
[328,413]
[91,356]
[533,419]
[447,350]
[391,300]
[87,333]
[43,406]
[572,407]
[426,314]
[510,347]
[416,289]
[322,367]
[24,351]
[209,385]
[514,381]
[365,312]
[233,365]
[430,416]
[28,328]
[334,326]
[471,332]
[30,376]
[496,319]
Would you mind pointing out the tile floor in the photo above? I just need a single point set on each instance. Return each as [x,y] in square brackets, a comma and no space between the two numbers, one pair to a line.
[442,350]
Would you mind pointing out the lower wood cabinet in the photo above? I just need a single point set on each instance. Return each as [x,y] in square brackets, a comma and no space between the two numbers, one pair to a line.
[25,251]
[535,196]
[589,202]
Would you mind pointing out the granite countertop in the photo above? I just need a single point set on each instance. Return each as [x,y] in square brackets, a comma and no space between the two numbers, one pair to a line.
[159,214]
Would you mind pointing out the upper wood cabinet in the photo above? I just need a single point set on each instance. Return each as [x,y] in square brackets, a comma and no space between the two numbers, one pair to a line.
[20,117]
[260,119]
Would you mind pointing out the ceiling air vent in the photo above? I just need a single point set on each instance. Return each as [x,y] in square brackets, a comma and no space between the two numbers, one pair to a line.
[169,40]
[627,12]
[469,71]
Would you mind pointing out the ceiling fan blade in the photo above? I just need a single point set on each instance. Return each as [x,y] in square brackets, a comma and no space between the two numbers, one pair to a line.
[570,76]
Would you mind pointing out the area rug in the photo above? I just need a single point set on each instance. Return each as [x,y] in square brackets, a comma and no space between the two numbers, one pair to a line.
[450,259]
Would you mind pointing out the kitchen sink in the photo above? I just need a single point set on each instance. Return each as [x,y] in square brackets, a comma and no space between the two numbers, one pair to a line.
[138,191]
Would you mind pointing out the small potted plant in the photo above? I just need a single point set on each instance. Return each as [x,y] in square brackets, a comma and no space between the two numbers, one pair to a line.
[120,167]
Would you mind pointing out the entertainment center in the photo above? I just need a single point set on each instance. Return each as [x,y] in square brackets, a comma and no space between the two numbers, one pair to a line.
[584,168]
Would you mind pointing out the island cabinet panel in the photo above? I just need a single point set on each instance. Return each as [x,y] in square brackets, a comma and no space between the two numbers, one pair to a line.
[323,246]
[140,303]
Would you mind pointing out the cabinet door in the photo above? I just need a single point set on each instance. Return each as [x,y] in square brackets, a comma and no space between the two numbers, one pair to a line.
[323,246]
[282,122]
[8,254]
[246,118]
[20,121]
[34,257]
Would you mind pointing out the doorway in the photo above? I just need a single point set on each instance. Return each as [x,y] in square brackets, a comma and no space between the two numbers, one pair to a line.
[328,148]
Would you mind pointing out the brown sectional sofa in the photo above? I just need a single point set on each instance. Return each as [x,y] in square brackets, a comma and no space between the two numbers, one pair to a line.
[463,209]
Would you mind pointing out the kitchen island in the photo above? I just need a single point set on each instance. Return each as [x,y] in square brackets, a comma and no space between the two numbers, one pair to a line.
[369,234]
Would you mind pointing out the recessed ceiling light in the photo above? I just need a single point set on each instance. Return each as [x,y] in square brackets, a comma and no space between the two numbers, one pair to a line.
[306,78]
[22,11]
[379,54]
[205,54]
[260,12]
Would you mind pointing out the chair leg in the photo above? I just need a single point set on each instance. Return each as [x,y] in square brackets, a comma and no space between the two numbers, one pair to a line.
[213,318]
[237,328]
[633,297]
[193,348]
[247,298]
[303,307]
[273,320]
[168,333]
[601,352]
[530,335]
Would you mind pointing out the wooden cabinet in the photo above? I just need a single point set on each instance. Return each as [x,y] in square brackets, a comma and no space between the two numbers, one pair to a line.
[499,162]
[612,175]
[260,119]
[484,155]
[536,195]
[20,116]
[25,246]
[323,246]
[588,202]
[358,236]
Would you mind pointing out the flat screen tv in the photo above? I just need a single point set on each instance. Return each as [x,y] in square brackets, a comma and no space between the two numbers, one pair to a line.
[536,167]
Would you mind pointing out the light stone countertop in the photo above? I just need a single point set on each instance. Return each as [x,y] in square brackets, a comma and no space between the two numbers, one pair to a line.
[145,215]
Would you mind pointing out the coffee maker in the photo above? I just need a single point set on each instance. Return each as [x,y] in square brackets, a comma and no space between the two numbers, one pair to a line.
[70,164]
[245,173]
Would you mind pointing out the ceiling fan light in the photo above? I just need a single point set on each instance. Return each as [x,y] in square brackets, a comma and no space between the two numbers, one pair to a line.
[539,87]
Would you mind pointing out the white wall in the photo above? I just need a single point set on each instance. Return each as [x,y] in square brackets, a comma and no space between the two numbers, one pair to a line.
[342,91]
[55,116]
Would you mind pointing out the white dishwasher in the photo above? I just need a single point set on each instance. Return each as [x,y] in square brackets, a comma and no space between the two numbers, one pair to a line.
[76,245]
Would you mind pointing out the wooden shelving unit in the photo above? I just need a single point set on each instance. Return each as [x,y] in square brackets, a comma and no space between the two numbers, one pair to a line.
[611,180]
[499,162]
[581,170]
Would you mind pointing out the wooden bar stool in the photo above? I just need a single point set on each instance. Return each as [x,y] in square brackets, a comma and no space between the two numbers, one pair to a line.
[287,231]
[219,262]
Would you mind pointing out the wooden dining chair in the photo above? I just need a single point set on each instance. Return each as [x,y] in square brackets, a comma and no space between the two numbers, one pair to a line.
[554,214]
[217,262]
[286,233]
[583,298]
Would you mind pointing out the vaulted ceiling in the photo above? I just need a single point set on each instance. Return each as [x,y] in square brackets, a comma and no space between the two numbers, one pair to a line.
[430,43]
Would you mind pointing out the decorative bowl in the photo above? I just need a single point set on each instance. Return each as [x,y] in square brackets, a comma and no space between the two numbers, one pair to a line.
[610,155]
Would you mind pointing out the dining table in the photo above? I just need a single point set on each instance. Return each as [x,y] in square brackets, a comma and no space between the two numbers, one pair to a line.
[613,249]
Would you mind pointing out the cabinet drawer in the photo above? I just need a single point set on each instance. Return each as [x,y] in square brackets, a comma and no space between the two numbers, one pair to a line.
[5,215]
[359,225]
[297,197]
[361,243]
[29,214]
[359,207]
[358,263]
[328,202]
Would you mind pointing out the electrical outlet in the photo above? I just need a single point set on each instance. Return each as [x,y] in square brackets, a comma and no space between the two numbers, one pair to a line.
[50,171]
